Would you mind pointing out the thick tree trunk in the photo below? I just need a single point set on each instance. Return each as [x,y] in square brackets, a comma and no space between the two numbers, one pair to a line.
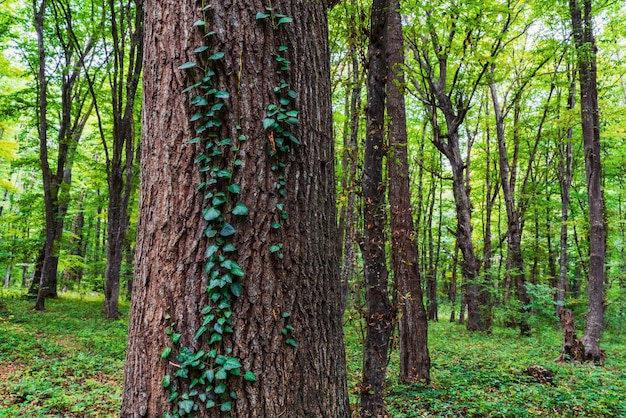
[590,120]
[413,324]
[298,286]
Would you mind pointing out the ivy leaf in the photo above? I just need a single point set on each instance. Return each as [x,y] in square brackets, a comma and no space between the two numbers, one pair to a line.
[211,213]
[167,380]
[221,375]
[199,23]
[240,209]
[186,406]
[292,94]
[187,65]
[234,189]
[285,19]
[261,15]
[175,338]
[291,342]
[211,249]
[226,406]
[219,389]
[276,248]
[166,353]
[200,331]
[227,230]
[217,56]
[249,376]
[200,49]
[231,363]
[229,248]
[268,123]
[222,94]
[236,289]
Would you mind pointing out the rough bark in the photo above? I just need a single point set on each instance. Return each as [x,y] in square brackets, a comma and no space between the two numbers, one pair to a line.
[590,121]
[308,380]
[379,315]
[413,324]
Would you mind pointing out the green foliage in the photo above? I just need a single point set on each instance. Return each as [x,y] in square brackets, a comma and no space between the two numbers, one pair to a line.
[68,361]
[483,375]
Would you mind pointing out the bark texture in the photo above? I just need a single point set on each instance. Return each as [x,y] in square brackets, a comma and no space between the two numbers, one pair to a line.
[379,315]
[590,120]
[413,325]
[310,379]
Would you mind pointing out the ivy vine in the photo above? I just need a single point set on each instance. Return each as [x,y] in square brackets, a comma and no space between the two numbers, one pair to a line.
[201,377]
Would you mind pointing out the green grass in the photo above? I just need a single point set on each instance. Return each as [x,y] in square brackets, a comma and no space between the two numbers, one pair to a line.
[65,362]
[68,362]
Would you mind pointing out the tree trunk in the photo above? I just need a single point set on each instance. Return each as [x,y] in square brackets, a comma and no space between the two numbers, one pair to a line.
[119,169]
[294,290]
[565,183]
[590,120]
[379,315]
[515,261]
[413,324]
[349,170]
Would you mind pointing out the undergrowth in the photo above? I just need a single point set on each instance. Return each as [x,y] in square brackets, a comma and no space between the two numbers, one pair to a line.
[68,362]
[65,362]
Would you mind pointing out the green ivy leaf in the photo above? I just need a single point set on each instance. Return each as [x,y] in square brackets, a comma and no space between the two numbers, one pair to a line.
[187,65]
[200,48]
[219,389]
[222,94]
[199,332]
[268,123]
[199,23]
[175,338]
[226,406]
[291,342]
[227,230]
[249,376]
[292,94]
[236,289]
[276,248]
[186,406]
[211,249]
[167,380]
[261,15]
[217,56]
[229,248]
[234,189]
[166,352]
[231,363]
[211,213]
[240,210]
[221,374]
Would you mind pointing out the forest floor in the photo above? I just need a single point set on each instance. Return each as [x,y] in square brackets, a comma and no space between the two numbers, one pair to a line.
[68,362]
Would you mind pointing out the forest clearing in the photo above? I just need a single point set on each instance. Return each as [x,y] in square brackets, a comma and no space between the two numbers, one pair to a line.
[68,362]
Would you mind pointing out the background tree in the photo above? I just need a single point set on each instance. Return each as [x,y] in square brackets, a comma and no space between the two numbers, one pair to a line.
[413,325]
[582,26]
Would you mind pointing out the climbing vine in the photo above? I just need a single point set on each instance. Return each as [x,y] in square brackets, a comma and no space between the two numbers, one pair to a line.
[201,377]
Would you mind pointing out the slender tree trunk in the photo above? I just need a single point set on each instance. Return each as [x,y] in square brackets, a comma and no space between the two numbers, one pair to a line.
[379,315]
[349,172]
[590,120]
[119,169]
[294,290]
[515,261]
[413,324]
